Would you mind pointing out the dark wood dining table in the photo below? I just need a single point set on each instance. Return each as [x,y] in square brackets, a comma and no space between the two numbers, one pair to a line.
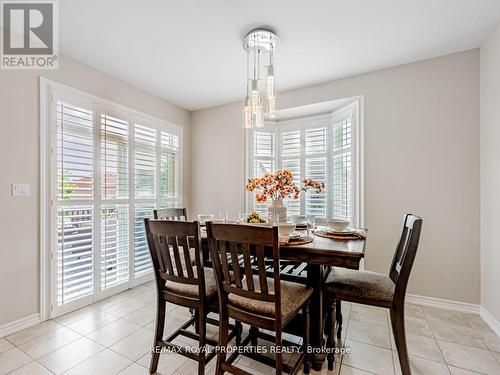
[316,258]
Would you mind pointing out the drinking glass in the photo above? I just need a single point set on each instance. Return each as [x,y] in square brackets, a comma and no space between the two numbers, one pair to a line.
[311,224]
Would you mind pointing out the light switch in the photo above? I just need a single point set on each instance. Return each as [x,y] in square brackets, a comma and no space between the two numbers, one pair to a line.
[20,190]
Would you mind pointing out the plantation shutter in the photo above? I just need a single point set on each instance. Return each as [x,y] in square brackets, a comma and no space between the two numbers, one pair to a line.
[145,162]
[264,154]
[74,154]
[145,174]
[142,259]
[342,169]
[170,169]
[114,216]
[316,168]
[291,147]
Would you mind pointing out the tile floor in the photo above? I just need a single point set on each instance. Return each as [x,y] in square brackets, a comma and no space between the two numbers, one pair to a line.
[113,336]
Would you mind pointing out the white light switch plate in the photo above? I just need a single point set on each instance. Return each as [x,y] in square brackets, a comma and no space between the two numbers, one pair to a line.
[20,190]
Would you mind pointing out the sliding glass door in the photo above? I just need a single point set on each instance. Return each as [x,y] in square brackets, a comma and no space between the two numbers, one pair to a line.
[110,168]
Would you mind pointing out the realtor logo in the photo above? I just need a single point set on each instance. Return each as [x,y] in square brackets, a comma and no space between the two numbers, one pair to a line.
[29,34]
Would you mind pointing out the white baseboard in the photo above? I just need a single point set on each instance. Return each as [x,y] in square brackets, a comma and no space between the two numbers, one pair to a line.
[19,325]
[490,320]
[439,303]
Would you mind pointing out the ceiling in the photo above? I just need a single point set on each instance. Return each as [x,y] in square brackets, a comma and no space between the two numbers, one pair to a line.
[190,52]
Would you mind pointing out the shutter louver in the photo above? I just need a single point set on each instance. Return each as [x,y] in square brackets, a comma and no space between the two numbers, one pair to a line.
[145,162]
[75,255]
[114,245]
[114,158]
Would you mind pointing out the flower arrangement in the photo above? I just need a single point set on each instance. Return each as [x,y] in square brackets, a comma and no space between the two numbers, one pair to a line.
[279,185]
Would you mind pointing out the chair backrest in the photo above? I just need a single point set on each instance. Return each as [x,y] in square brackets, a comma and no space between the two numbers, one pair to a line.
[237,252]
[406,250]
[171,214]
[169,244]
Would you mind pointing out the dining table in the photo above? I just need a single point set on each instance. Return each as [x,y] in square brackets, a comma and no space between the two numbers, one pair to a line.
[310,263]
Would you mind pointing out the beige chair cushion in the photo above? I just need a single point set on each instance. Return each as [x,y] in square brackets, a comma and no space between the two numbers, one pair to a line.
[346,283]
[293,296]
[191,291]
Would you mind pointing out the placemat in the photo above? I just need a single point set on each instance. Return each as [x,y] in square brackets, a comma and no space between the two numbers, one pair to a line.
[297,241]
[357,235]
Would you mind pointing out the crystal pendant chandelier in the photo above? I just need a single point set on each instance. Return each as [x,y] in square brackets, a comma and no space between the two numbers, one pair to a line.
[260,102]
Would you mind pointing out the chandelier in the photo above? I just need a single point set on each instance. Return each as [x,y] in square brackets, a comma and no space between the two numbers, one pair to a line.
[260,102]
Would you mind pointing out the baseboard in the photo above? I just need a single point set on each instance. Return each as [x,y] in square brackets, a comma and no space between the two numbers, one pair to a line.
[490,320]
[439,303]
[19,325]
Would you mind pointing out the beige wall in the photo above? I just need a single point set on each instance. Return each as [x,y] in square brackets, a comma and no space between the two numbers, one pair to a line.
[19,155]
[490,174]
[421,156]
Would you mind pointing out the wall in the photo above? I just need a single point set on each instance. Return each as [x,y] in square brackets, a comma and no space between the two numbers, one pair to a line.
[19,153]
[421,156]
[490,174]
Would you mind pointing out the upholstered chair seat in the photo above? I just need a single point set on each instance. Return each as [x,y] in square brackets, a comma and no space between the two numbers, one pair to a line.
[293,297]
[353,284]
[192,290]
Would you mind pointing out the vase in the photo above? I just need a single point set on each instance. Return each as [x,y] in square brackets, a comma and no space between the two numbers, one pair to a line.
[277,212]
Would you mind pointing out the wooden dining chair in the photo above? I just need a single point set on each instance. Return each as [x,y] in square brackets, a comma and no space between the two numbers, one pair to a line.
[182,281]
[370,288]
[171,214]
[247,295]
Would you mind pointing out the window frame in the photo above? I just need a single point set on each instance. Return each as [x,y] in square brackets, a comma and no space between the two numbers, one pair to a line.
[50,92]
[352,108]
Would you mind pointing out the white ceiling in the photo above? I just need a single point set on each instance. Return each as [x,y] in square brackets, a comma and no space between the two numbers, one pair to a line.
[190,52]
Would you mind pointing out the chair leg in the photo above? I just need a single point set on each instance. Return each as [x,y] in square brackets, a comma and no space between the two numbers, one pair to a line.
[398,329]
[223,341]
[279,354]
[202,336]
[196,315]
[239,330]
[307,355]
[160,326]
[330,341]
[253,332]
[339,318]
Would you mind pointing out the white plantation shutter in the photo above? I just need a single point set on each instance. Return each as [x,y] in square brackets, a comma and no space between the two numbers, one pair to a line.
[109,170]
[114,157]
[142,258]
[114,245]
[74,255]
[342,170]
[316,168]
[170,167]
[75,152]
[291,148]
[318,147]
[264,153]
[145,162]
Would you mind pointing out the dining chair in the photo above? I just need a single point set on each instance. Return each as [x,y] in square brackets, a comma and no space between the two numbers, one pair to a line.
[247,295]
[171,214]
[375,289]
[182,281]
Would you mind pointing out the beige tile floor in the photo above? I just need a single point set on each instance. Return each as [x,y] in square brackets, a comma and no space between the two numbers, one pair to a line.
[114,336]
